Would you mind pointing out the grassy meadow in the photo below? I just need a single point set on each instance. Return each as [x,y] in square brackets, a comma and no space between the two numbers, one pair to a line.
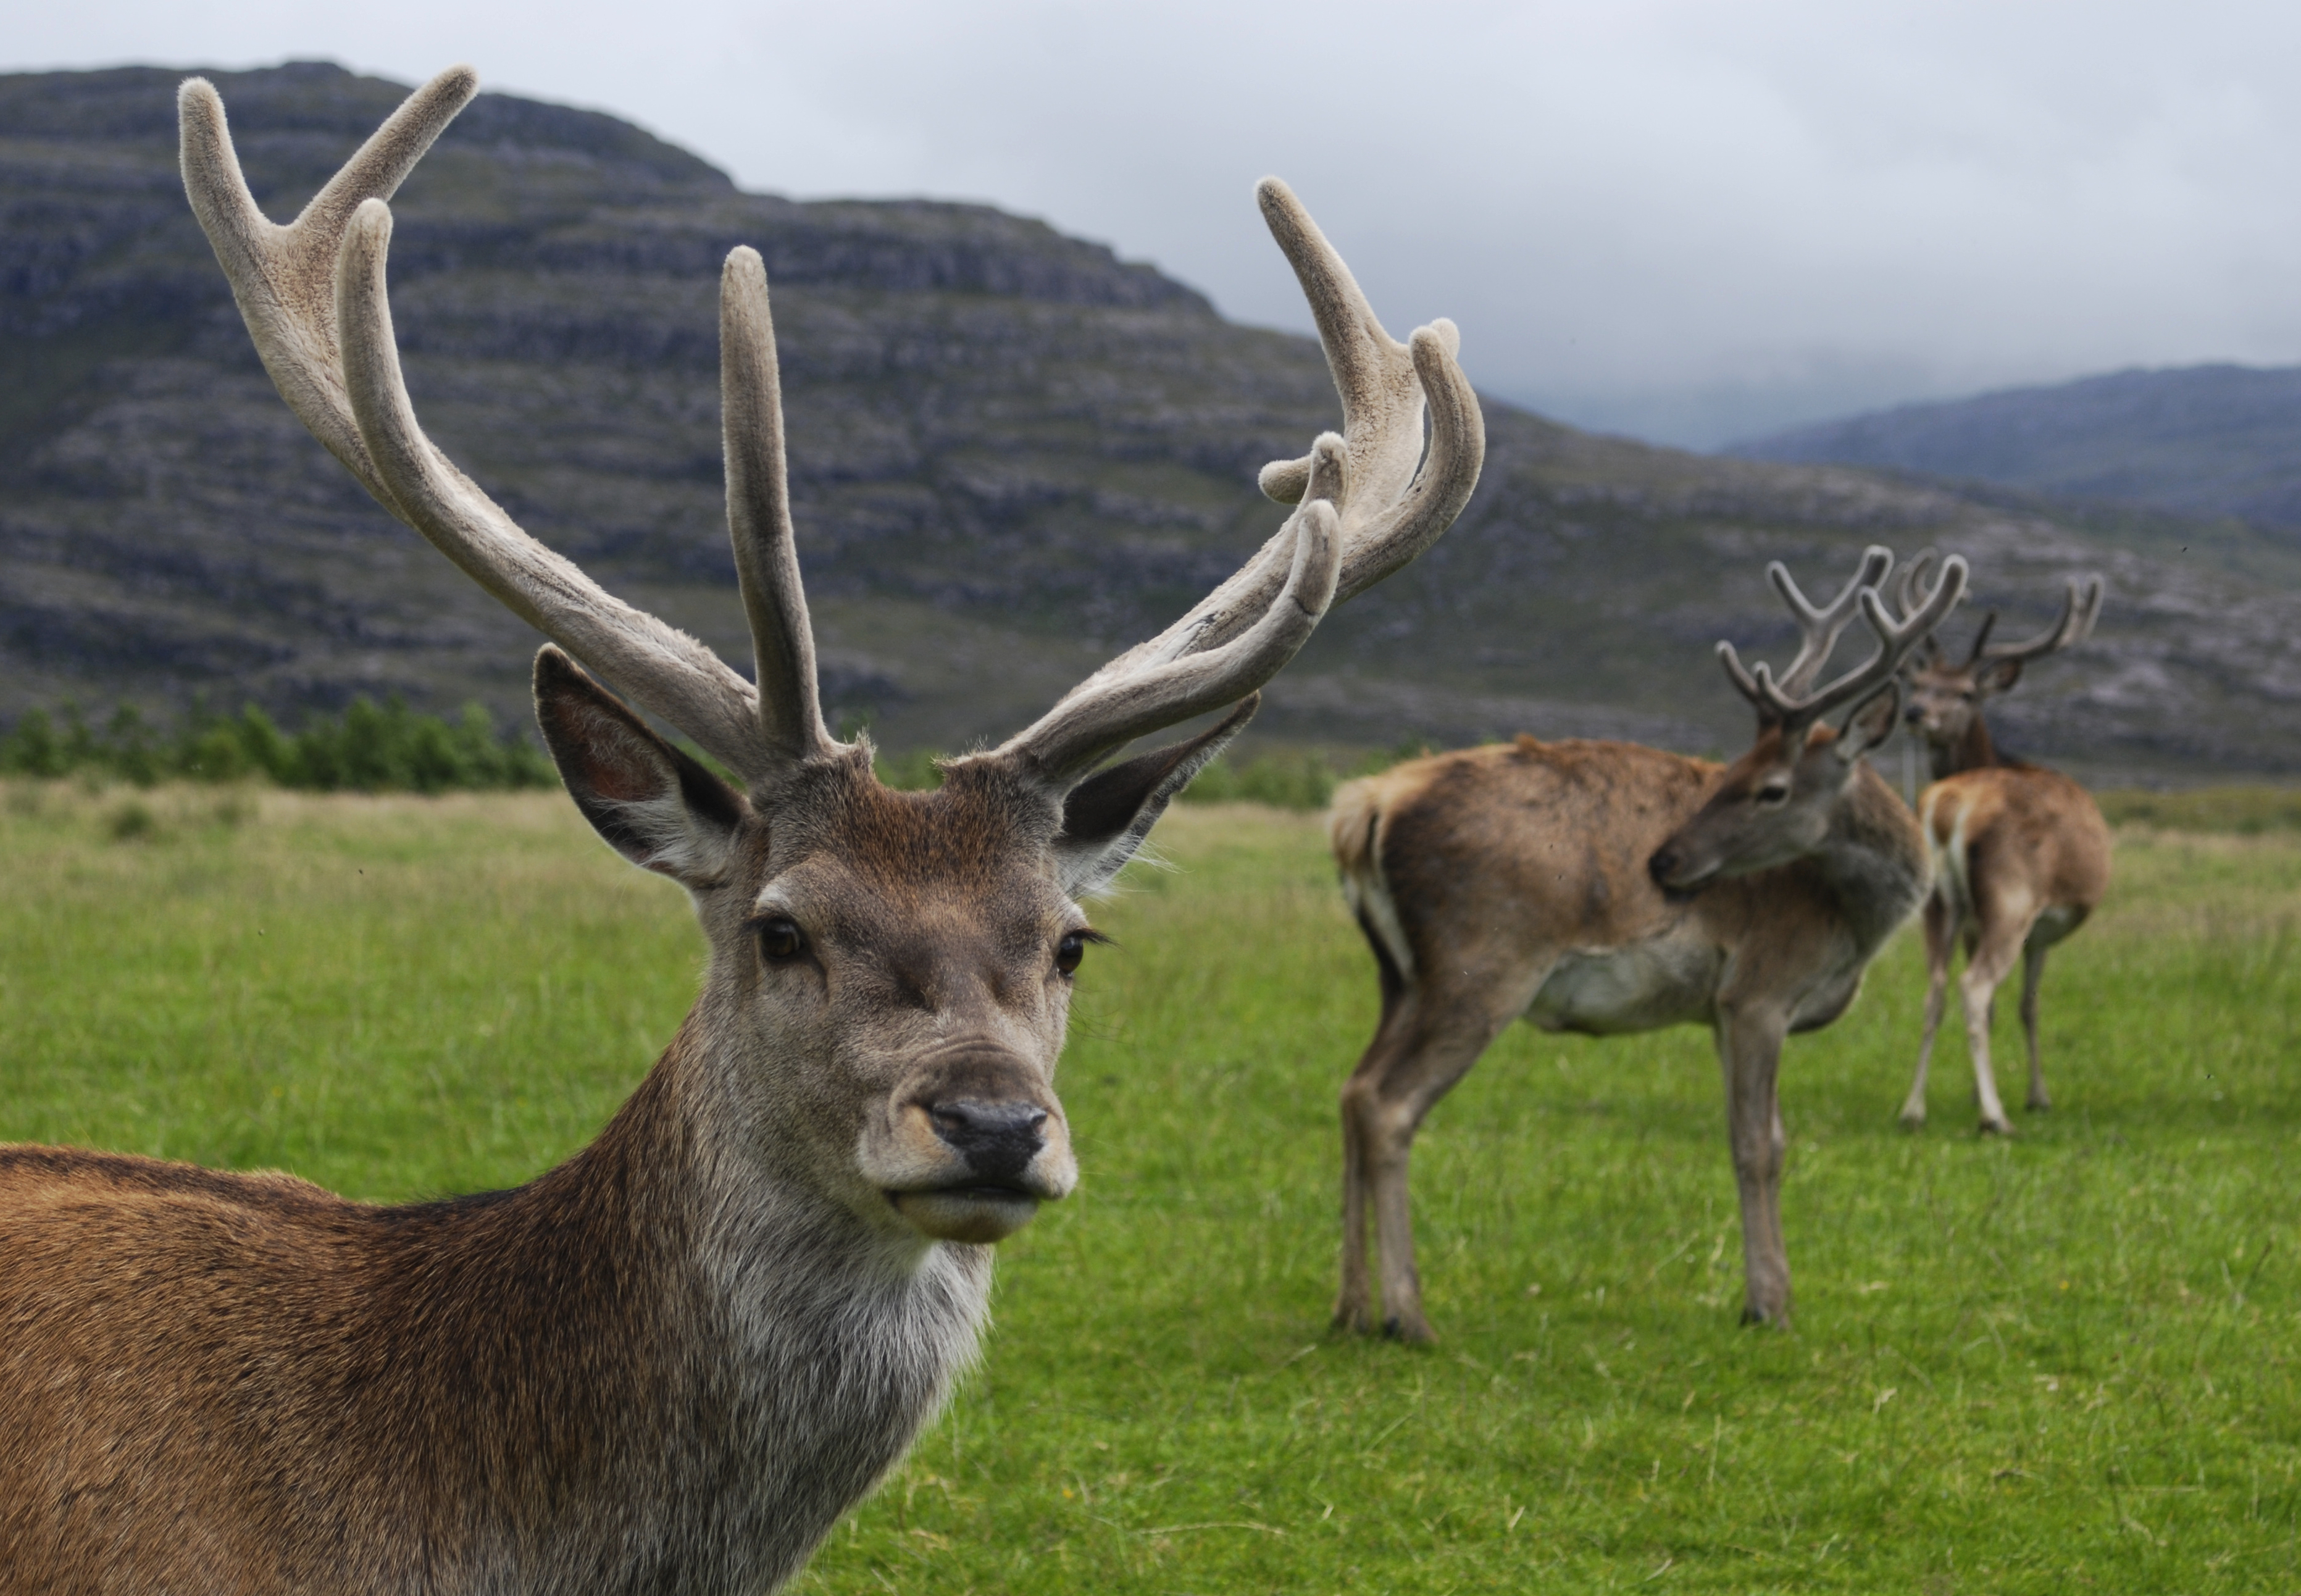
[2071,1359]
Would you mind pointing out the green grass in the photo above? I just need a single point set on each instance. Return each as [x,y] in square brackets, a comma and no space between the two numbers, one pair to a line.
[2062,1361]
[2241,810]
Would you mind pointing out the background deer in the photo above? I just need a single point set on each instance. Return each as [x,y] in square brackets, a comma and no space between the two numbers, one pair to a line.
[673,1361]
[1603,887]
[2020,852]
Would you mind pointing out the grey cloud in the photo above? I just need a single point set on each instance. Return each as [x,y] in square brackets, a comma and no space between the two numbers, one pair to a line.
[1674,218]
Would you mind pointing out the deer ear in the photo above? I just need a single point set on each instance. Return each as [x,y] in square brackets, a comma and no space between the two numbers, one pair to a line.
[1106,816]
[2000,677]
[654,804]
[1871,724]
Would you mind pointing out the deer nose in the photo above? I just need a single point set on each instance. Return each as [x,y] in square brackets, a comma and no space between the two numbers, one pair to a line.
[998,1139]
[1914,713]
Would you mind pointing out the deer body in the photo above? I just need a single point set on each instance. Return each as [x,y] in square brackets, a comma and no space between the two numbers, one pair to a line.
[1606,888]
[672,1362]
[626,1375]
[2021,853]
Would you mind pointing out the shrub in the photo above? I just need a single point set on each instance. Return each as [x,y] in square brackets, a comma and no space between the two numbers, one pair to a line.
[368,748]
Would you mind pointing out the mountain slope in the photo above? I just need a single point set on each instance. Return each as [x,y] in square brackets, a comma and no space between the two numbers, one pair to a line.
[1012,454]
[2201,440]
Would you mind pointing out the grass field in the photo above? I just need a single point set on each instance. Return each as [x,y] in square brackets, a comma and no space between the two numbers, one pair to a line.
[2068,1360]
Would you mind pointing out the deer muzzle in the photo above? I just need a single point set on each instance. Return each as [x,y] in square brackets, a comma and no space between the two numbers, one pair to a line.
[1678,874]
[974,1144]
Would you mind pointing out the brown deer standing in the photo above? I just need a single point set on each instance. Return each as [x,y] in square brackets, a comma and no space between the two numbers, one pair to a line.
[672,1362]
[2021,853]
[1603,887]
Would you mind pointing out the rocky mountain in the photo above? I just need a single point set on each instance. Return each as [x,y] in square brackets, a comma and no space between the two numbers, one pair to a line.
[2210,440]
[1012,454]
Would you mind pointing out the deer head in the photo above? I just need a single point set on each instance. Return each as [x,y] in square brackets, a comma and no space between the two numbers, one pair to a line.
[1945,698]
[1779,801]
[890,972]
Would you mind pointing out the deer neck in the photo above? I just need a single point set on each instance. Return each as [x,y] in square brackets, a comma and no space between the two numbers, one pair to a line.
[1972,751]
[1873,860]
[675,1359]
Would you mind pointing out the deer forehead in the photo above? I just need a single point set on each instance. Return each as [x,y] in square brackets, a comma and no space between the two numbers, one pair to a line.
[1941,680]
[961,863]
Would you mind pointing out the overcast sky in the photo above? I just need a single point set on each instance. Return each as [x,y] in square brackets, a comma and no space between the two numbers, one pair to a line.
[1687,220]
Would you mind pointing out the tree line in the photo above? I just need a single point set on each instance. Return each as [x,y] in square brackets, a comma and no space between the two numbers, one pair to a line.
[368,748]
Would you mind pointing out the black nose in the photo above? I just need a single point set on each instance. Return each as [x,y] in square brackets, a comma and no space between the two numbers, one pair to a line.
[998,1139]
[1662,866]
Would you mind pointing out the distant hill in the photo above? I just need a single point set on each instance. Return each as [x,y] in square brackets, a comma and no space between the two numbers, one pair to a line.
[1012,454]
[2200,440]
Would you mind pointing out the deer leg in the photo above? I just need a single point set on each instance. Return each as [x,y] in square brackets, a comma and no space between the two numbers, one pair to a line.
[1353,1303]
[1941,940]
[2033,972]
[1444,1043]
[1394,1039]
[1977,991]
[1749,1053]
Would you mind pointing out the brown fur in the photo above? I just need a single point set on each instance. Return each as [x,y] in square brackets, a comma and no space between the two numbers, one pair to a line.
[241,1383]
[1520,880]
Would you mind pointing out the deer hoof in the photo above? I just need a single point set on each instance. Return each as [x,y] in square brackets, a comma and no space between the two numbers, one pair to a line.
[2039,1103]
[1410,1328]
[1758,1318]
[1351,1317]
[1996,1127]
[1913,1119]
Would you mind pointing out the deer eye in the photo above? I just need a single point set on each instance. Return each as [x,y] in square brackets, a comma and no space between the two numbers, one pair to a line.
[781,939]
[1774,792]
[1068,952]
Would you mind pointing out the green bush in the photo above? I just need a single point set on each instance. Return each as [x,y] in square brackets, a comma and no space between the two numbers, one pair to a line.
[368,748]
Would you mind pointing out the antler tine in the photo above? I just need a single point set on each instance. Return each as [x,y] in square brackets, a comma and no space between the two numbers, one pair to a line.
[665,670]
[1820,629]
[1908,583]
[1388,497]
[2080,608]
[313,298]
[284,278]
[1394,496]
[1981,640]
[1910,580]
[1896,637]
[1400,500]
[758,514]
[1111,709]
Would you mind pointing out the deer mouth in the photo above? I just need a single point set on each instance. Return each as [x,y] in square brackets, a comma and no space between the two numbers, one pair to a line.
[977,1211]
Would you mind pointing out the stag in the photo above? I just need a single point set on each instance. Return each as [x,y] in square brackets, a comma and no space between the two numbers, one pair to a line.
[1604,888]
[2020,852]
[672,1362]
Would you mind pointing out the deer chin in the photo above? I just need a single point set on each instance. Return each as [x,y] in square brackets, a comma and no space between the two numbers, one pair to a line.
[980,1213]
